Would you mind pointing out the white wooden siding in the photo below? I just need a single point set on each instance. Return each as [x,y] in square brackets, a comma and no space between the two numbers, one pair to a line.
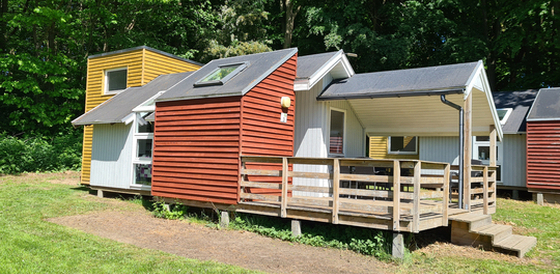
[312,133]
[111,156]
[439,149]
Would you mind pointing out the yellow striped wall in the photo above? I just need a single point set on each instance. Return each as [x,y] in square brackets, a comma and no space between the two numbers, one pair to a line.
[143,65]
[378,149]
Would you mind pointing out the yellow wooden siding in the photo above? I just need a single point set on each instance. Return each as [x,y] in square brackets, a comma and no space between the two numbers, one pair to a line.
[378,149]
[142,66]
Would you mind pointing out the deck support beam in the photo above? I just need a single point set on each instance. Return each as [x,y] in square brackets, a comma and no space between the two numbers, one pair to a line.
[398,245]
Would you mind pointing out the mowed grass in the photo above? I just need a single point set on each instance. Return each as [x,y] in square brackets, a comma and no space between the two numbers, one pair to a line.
[526,218]
[30,244]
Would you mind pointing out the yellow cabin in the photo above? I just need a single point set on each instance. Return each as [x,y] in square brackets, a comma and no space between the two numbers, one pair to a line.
[393,147]
[110,73]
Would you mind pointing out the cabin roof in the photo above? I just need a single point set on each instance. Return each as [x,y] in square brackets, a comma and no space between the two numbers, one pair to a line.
[446,79]
[258,67]
[147,48]
[116,109]
[520,102]
[546,106]
[309,64]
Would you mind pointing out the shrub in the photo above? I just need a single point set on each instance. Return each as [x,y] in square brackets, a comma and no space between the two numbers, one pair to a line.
[40,154]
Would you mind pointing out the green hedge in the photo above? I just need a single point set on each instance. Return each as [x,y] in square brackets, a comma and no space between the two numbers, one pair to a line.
[39,153]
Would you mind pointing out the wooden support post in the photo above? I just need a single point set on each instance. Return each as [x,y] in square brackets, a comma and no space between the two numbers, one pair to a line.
[396,195]
[493,156]
[336,186]
[284,187]
[467,155]
[445,205]
[485,189]
[416,201]
[398,246]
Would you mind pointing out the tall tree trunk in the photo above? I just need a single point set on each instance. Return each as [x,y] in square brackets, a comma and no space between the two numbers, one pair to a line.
[489,37]
[290,20]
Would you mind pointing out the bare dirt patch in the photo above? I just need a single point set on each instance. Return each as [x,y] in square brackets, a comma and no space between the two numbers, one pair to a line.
[239,248]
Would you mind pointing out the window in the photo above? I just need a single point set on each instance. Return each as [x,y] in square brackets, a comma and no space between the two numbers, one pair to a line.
[336,140]
[481,151]
[221,74]
[503,114]
[115,80]
[403,145]
[142,158]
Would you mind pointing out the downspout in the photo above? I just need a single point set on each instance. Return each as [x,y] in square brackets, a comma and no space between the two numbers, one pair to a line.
[461,146]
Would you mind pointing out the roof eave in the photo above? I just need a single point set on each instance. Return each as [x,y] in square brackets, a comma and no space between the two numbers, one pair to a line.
[392,94]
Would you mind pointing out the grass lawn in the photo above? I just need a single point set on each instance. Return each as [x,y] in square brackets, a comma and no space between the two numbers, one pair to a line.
[526,218]
[29,244]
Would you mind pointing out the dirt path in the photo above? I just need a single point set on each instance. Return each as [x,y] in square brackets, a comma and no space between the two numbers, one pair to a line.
[239,248]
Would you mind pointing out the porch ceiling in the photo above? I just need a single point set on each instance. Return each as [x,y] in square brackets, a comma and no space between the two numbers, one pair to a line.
[420,115]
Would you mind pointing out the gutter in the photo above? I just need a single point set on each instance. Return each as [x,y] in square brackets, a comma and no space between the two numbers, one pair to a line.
[461,146]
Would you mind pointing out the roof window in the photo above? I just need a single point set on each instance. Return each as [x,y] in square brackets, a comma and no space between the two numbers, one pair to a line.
[221,75]
[503,114]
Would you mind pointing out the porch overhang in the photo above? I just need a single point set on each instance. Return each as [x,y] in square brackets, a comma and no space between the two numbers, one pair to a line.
[407,102]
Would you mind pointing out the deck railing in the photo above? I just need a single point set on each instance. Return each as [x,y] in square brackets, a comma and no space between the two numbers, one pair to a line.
[410,195]
[480,192]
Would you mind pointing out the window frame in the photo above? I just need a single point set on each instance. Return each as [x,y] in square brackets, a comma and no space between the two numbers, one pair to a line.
[506,116]
[343,132]
[242,66]
[415,152]
[106,81]
[137,136]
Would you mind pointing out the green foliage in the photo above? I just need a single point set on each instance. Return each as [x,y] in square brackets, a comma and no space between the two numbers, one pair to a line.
[365,241]
[39,154]
[175,212]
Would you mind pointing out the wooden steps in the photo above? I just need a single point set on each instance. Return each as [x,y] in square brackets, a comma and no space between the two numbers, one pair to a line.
[477,229]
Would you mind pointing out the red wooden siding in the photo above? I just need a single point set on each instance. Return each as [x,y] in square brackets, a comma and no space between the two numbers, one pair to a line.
[262,132]
[196,150]
[543,155]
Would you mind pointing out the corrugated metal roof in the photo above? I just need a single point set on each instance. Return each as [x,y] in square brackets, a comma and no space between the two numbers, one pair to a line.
[546,106]
[309,64]
[148,48]
[446,79]
[259,66]
[122,104]
[520,102]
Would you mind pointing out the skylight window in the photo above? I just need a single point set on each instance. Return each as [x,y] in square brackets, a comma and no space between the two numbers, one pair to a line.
[503,114]
[221,75]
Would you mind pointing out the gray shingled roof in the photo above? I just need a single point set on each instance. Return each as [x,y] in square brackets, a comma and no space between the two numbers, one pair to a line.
[148,48]
[309,64]
[520,102]
[546,105]
[259,66]
[121,105]
[446,79]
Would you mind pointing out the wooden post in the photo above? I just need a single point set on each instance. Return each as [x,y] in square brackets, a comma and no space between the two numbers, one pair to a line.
[284,187]
[467,134]
[493,156]
[336,186]
[396,195]
[485,189]
[416,201]
[445,206]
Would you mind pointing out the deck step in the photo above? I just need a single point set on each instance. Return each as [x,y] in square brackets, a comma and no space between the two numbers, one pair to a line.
[478,229]
[517,243]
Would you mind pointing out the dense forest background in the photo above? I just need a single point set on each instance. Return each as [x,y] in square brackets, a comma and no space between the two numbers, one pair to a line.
[44,45]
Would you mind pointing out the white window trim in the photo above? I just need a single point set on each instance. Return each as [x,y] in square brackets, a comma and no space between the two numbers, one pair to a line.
[106,82]
[343,133]
[151,108]
[135,160]
[509,111]
[499,156]
[389,151]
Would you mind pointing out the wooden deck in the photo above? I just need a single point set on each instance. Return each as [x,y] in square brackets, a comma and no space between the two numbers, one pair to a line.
[397,195]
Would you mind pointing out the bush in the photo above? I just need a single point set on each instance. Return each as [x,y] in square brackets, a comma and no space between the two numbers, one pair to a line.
[40,154]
